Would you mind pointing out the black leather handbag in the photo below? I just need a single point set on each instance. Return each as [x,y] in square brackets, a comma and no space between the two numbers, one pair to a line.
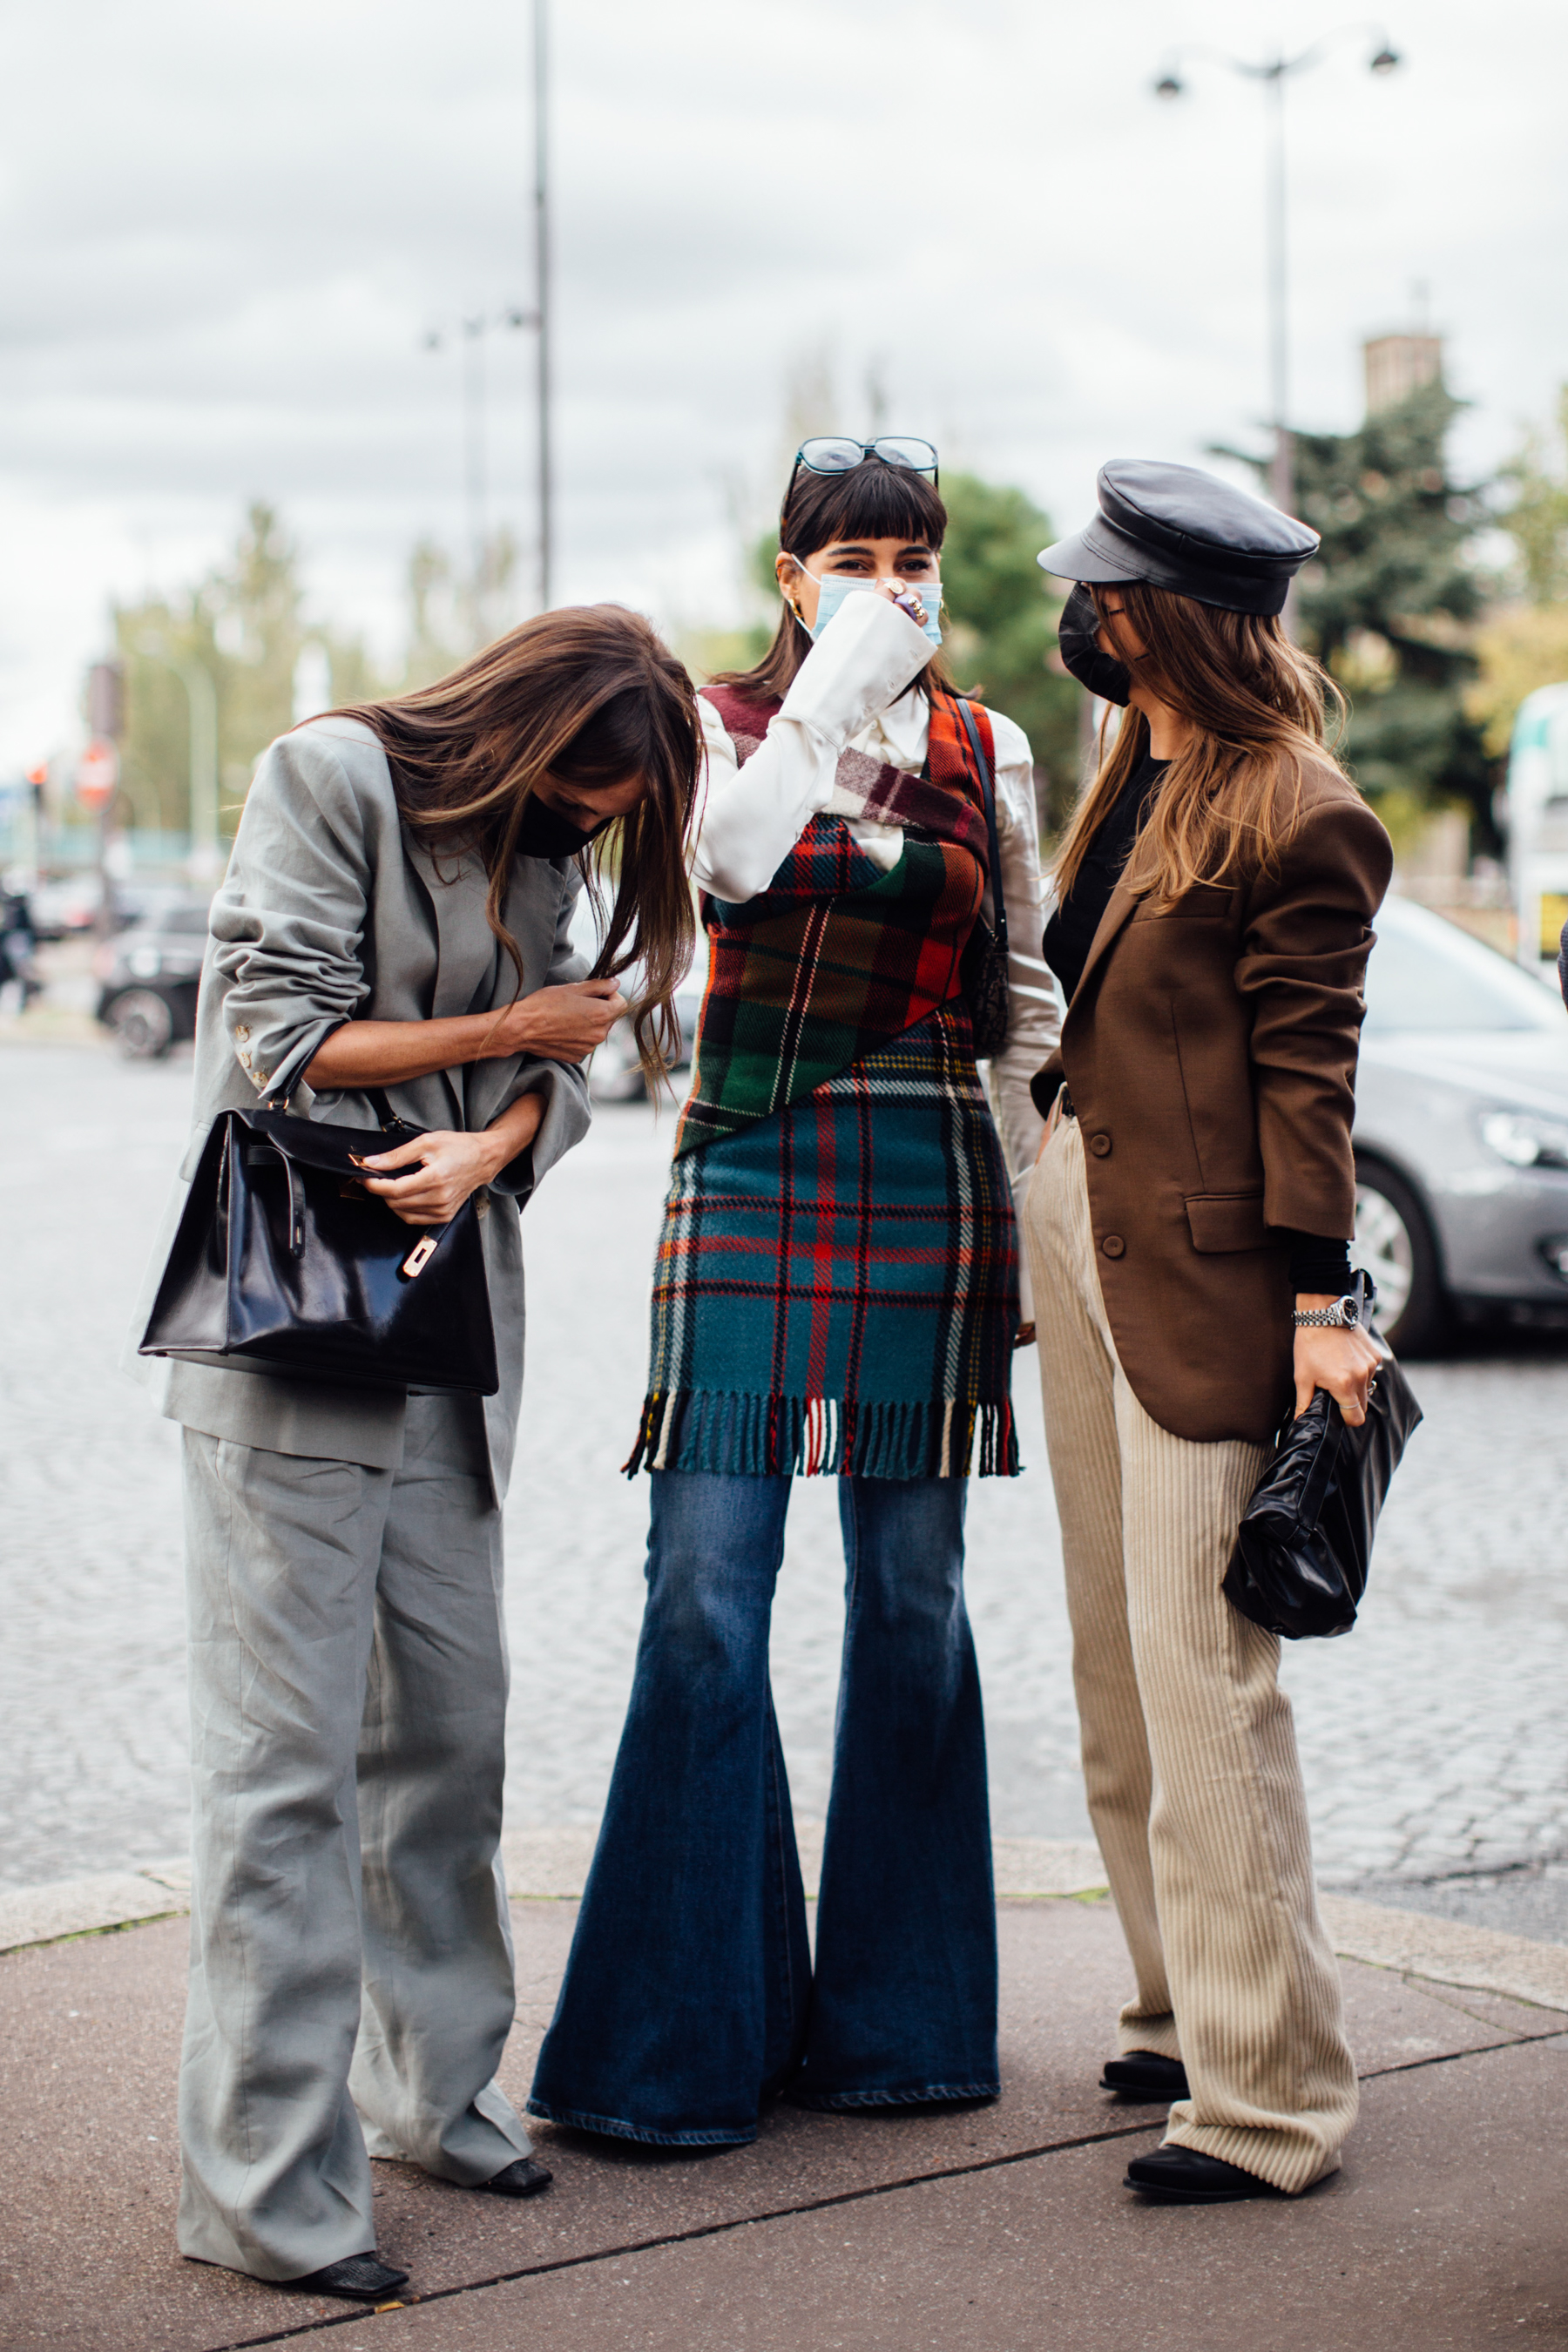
[282,1258]
[1304,1545]
[984,968]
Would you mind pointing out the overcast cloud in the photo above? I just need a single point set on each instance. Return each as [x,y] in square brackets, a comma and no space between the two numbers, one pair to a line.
[228,225]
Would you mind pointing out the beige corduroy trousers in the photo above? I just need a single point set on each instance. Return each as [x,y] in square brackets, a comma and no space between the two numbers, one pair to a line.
[1189,1748]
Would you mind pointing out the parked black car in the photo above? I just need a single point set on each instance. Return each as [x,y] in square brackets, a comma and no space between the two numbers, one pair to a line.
[149,976]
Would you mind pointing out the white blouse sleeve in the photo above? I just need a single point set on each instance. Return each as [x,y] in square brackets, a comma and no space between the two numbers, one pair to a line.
[1035,1018]
[752,817]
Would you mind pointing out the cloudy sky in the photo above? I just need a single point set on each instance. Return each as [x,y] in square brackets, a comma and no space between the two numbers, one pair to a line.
[229,225]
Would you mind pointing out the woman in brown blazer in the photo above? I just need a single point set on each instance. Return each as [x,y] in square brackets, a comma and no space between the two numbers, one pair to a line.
[1192,1203]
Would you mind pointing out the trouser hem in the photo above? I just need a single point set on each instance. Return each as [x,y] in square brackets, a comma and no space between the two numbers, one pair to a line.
[620,2127]
[927,2095]
[1286,2164]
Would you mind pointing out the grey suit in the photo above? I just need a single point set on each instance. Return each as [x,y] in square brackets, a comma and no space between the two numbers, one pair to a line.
[351,1963]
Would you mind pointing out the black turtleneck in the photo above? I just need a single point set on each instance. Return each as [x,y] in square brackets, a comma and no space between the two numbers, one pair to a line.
[1316,1265]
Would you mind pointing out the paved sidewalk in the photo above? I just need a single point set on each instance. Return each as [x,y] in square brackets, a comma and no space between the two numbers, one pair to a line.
[999,2228]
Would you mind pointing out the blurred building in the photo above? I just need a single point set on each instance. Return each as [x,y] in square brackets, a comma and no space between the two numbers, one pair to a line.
[1398,365]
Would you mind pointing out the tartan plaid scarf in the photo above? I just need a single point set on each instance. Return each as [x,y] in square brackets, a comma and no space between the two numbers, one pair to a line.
[836,957]
[836,1291]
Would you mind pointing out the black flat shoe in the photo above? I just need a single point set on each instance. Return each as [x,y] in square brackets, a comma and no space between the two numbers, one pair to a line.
[1142,2076]
[362,2278]
[1183,2175]
[521,2179]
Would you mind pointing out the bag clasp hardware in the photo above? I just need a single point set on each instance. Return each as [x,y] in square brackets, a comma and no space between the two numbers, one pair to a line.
[420,1255]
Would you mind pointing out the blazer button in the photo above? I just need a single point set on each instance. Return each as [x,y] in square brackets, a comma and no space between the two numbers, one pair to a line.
[1099,1145]
[1114,1246]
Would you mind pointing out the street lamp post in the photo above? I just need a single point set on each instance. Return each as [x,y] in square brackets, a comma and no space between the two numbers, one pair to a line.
[541,295]
[539,318]
[1273,73]
[206,859]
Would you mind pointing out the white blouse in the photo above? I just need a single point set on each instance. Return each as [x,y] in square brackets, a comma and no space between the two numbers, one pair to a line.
[849,695]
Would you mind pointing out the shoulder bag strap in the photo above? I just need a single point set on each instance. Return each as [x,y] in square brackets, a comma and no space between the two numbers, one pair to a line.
[988,788]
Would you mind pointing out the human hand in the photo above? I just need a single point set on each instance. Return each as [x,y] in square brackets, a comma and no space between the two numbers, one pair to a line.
[445,1168]
[1344,1360]
[562,1024]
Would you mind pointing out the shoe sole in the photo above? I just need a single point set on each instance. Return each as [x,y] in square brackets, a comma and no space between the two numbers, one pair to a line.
[1142,2098]
[1200,2196]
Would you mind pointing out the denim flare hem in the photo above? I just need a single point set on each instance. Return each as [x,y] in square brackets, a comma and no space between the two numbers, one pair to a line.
[933,2096]
[616,2127]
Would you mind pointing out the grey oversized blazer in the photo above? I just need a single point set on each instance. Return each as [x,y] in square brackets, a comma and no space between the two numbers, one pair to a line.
[331,912]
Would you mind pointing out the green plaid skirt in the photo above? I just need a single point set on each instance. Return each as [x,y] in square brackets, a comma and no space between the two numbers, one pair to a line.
[837,1288]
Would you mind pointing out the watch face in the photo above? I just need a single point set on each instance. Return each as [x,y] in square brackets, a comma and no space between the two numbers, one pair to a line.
[1350,1311]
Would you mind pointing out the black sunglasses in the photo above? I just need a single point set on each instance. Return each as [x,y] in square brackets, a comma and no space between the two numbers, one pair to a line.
[833,453]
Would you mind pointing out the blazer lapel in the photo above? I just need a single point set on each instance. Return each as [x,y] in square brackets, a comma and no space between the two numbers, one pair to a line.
[465,943]
[1122,902]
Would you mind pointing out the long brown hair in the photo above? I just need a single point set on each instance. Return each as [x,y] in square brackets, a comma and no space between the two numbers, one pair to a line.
[585,697]
[1231,798]
[872,501]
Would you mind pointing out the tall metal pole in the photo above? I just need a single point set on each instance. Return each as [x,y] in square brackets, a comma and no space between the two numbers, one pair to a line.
[475,470]
[1281,475]
[542,281]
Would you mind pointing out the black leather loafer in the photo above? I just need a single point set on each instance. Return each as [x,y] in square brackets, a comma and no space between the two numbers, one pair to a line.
[521,2179]
[1142,2076]
[1182,2176]
[362,2278]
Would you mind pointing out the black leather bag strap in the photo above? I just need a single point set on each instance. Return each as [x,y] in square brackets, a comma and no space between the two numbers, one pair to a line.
[988,787]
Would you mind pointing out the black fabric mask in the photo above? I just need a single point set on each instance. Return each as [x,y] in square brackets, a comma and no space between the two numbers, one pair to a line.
[1077,633]
[545,832]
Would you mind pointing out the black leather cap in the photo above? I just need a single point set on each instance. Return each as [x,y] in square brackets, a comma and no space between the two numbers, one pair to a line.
[1176,527]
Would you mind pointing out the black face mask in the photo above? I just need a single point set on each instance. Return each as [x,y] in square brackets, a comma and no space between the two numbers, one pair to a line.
[545,832]
[1077,633]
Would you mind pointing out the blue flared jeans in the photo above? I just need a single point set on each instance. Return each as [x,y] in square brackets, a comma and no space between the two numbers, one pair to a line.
[690,1997]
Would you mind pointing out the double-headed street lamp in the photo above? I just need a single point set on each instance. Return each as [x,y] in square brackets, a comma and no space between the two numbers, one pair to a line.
[1273,73]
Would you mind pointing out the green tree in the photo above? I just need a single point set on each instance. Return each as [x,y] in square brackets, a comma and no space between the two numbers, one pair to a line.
[1388,605]
[244,624]
[1536,517]
[1002,614]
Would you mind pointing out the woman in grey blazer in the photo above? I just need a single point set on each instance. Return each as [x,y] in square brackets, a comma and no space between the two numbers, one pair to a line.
[394,915]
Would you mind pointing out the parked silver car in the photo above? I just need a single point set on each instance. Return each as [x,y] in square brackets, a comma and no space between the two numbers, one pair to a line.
[1461,1134]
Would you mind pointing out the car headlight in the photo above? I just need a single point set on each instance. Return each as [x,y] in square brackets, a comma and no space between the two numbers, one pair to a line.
[1524,1141]
[146,963]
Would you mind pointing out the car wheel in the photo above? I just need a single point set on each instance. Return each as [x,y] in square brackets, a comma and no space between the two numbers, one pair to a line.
[1393,1243]
[140,1025]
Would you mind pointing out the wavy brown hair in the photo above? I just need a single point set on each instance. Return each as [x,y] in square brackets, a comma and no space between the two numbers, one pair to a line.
[1231,799]
[872,501]
[585,697]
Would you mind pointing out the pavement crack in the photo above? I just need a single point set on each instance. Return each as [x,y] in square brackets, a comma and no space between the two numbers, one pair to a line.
[820,2204]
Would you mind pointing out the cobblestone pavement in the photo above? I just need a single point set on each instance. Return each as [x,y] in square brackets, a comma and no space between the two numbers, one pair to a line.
[1434,1739]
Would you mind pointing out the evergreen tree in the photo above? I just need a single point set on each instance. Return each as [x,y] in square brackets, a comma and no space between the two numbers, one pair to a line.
[1388,604]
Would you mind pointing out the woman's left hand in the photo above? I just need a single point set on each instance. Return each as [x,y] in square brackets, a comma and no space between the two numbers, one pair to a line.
[1343,1360]
[445,1168]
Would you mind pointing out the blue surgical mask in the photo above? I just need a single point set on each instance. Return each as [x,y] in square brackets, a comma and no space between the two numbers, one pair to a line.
[834,586]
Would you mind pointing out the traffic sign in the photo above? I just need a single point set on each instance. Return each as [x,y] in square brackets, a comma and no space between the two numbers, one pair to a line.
[98,774]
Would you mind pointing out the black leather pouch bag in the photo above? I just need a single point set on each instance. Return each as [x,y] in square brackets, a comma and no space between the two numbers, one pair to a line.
[283,1259]
[983,967]
[1304,1546]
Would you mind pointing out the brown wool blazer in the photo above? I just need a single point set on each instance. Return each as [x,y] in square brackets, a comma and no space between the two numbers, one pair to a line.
[1210,1053]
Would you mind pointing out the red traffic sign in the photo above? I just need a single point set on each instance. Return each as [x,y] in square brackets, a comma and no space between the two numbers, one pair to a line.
[98,774]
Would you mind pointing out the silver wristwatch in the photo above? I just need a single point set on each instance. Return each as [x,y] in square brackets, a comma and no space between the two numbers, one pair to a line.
[1344,1311]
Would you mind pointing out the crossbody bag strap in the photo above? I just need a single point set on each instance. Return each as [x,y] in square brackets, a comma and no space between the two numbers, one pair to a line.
[988,789]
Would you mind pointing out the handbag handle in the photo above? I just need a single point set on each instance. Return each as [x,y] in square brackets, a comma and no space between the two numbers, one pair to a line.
[988,791]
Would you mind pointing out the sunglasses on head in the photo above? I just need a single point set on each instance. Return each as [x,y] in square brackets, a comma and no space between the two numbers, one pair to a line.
[833,453]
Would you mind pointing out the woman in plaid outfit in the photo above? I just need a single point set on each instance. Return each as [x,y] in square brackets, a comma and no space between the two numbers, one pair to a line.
[836,1293]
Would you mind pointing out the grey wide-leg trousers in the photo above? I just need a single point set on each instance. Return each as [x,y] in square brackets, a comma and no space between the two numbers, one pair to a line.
[351,1986]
